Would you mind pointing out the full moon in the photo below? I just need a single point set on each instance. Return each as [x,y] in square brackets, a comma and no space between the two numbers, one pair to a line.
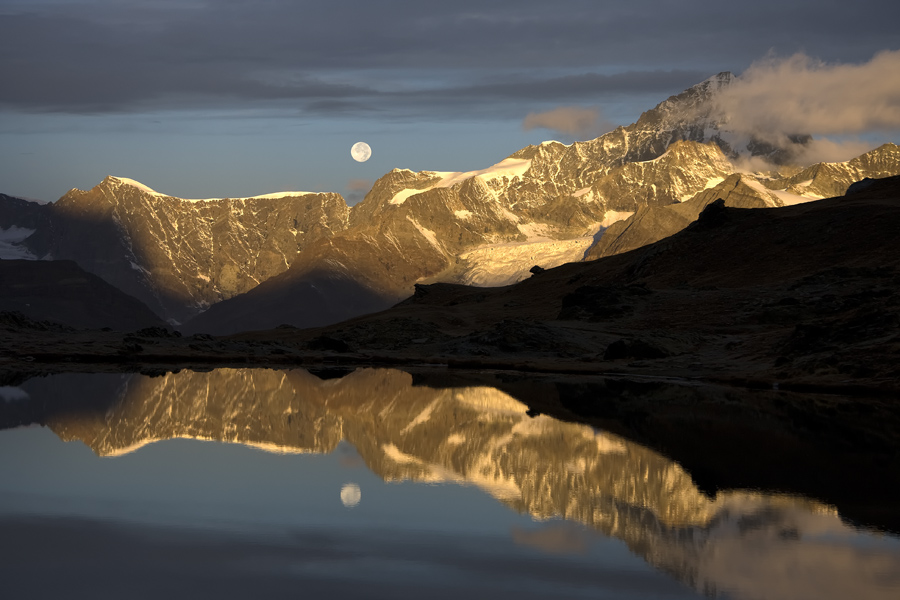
[350,495]
[360,152]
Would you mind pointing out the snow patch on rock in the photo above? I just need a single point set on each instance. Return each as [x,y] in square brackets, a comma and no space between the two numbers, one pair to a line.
[789,199]
[710,183]
[582,192]
[403,195]
[11,394]
[276,195]
[152,192]
[427,234]
[769,196]
[505,264]
[509,168]
[136,184]
[9,244]
[614,216]
[536,232]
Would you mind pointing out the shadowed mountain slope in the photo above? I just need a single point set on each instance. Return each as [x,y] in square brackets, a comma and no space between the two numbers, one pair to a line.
[804,293]
[653,223]
[180,256]
[545,205]
[62,292]
[489,228]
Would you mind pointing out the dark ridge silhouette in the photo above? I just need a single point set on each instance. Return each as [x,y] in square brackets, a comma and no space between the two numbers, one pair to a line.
[62,292]
[310,299]
[803,295]
[95,242]
[17,212]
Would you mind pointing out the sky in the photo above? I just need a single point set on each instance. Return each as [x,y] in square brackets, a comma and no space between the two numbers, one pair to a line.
[215,98]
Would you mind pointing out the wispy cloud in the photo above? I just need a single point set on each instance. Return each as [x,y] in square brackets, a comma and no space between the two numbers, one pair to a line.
[441,59]
[799,94]
[561,538]
[828,150]
[356,190]
[359,185]
[575,121]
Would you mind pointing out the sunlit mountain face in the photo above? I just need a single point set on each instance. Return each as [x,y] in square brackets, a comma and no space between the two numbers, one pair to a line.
[644,311]
[225,265]
[573,484]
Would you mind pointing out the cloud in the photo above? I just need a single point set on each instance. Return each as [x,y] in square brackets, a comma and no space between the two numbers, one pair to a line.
[582,85]
[12,394]
[573,121]
[397,59]
[775,97]
[553,539]
[359,185]
[356,190]
[828,150]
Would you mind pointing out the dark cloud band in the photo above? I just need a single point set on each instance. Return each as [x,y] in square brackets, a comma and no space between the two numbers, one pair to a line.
[97,56]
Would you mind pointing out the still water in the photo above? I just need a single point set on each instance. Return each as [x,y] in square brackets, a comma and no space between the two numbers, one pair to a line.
[279,484]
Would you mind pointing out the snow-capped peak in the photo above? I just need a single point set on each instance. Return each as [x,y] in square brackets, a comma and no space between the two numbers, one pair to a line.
[133,183]
[151,191]
[720,79]
[509,167]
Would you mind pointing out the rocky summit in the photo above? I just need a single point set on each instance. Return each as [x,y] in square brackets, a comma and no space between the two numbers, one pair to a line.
[180,256]
[745,190]
[801,296]
[235,264]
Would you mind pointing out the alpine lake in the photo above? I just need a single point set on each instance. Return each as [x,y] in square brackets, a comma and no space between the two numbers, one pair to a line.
[388,483]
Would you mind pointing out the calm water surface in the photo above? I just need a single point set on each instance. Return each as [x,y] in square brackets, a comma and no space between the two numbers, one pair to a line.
[280,484]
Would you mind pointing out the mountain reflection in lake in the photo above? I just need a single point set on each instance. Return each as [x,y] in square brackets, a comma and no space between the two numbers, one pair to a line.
[330,506]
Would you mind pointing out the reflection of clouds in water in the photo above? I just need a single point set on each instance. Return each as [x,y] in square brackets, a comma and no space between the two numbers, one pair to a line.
[350,495]
[12,394]
[352,462]
[337,562]
[557,538]
[349,457]
[749,545]
[784,551]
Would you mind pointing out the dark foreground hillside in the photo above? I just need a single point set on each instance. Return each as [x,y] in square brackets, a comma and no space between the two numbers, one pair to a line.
[805,295]
[62,292]
[802,297]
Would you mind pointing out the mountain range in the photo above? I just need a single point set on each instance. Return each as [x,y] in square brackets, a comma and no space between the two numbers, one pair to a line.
[307,259]
[799,297]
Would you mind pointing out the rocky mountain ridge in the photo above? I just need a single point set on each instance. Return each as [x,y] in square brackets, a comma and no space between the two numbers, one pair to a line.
[798,293]
[255,263]
[490,229]
[180,256]
[746,190]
